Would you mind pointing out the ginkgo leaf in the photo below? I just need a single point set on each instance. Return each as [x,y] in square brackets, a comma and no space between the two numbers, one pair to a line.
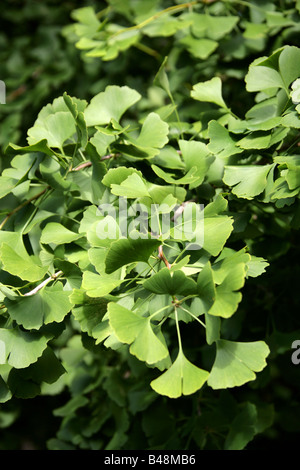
[51,304]
[22,266]
[236,363]
[216,232]
[247,181]
[19,348]
[56,129]
[147,346]
[210,91]
[125,251]
[132,187]
[98,286]
[190,177]
[206,288]
[153,136]
[133,329]
[118,175]
[154,132]
[58,234]
[227,296]
[172,283]
[182,378]
[221,142]
[110,104]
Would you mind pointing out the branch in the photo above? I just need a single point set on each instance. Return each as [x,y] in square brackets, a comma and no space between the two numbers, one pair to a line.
[44,283]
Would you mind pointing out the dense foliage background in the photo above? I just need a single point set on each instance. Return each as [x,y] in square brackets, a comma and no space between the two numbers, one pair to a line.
[51,47]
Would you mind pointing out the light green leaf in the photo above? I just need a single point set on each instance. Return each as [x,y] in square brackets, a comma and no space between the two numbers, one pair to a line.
[133,329]
[289,64]
[227,297]
[199,48]
[256,266]
[221,143]
[110,104]
[153,135]
[89,312]
[213,27]
[118,175]
[55,128]
[21,266]
[247,181]
[295,93]
[216,231]
[210,91]
[147,346]
[132,187]
[255,140]
[182,378]
[261,78]
[196,154]
[51,304]
[98,286]
[236,363]
[188,178]
[58,234]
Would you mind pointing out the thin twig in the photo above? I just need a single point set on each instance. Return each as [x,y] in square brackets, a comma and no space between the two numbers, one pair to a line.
[44,283]
[16,209]
[162,257]
[88,163]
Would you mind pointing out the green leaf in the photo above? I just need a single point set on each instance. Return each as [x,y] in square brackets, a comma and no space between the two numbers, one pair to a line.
[189,178]
[88,312]
[55,128]
[221,143]
[256,266]
[51,304]
[199,48]
[110,104]
[98,286]
[227,298]
[132,329]
[216,231]
[153,135]
[289,64]
[58,234]
[213,27]
[196,155]
[19,348]
[126,251]
[261,78]
[132,187]
[118,175]
[247,181]
[21,266]
[236,363]
[170,282]
[40,146]
[242,429]
[206,288]
[210,91]
[182,378]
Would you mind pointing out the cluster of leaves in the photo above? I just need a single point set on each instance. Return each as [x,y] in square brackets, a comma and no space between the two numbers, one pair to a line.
[132,320]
